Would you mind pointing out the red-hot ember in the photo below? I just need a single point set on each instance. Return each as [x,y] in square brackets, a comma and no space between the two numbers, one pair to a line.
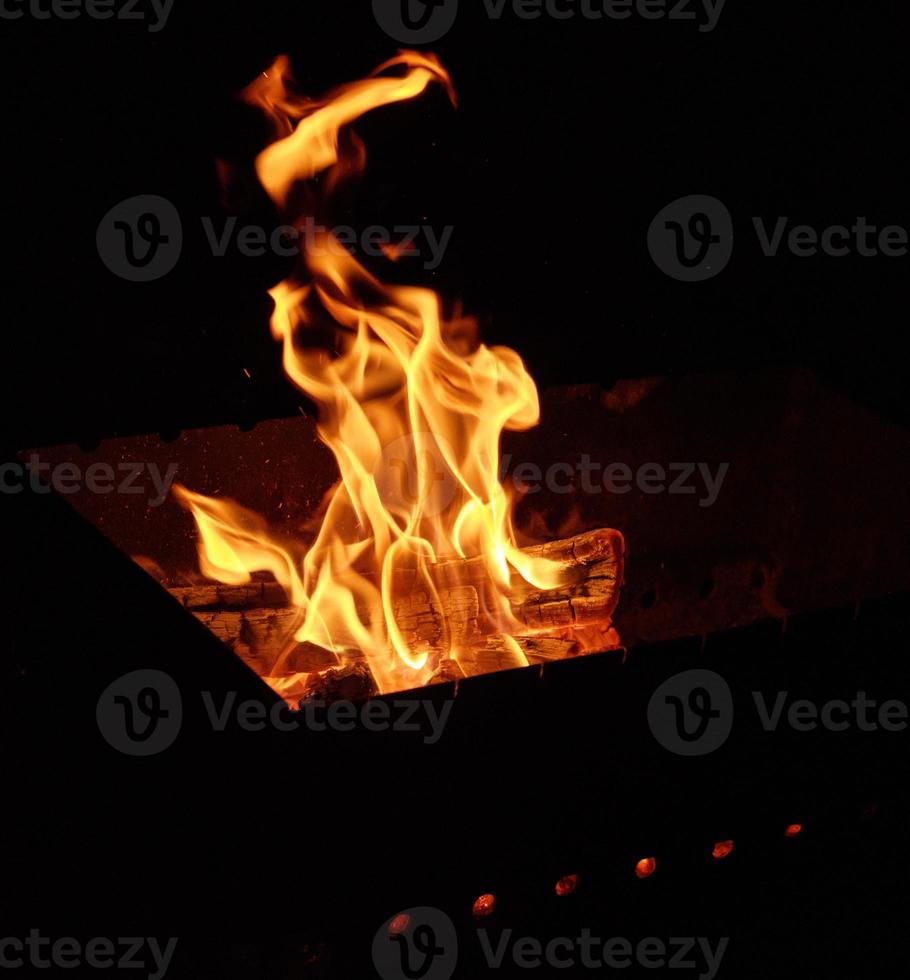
[646,867]
[793,830]
[484,906]
[722,849]
[566,885]
[399,924]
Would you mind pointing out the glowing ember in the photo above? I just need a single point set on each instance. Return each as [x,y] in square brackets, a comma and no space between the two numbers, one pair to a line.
[646,867]
[399,924]
[567,885]
[411,404]
[484,906]
[722,849]
[793,830]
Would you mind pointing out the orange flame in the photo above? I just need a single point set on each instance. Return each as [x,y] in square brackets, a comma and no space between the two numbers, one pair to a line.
[413,408]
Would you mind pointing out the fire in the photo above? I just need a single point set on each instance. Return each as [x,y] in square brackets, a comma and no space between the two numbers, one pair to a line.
[412,406]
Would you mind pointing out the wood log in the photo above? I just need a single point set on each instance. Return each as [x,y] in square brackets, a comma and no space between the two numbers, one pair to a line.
[496,652]
[459,612]
[351,683]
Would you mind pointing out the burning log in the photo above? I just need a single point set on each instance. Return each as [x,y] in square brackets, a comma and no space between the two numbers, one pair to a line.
[455,614]
[502,652]
[351,683]
[594,570]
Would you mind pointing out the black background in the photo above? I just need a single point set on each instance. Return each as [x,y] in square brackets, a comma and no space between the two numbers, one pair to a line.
[569,138]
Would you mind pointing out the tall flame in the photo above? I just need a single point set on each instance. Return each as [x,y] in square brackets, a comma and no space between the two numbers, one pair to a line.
[412,406]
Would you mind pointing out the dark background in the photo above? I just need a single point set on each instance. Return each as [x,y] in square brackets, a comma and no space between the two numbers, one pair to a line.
[569,139]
